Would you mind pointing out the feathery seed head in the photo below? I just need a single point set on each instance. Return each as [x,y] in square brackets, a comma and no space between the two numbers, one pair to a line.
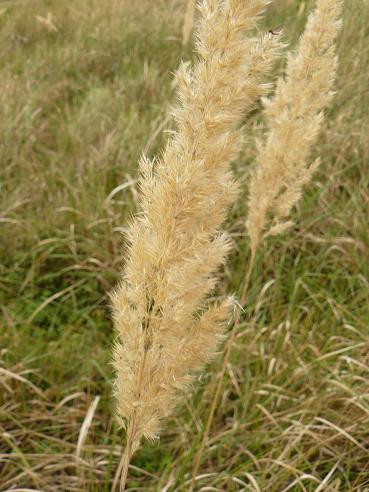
[294,116]
[166,328]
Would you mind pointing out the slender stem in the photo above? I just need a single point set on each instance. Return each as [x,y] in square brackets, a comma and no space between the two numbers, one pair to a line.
[218,389]
[133,436]
[126,459]
[132,444]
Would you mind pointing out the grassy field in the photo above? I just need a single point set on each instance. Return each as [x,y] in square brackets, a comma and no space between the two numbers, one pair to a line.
[85,88]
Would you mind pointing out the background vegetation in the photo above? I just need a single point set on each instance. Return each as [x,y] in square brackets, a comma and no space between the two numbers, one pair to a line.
[85,87]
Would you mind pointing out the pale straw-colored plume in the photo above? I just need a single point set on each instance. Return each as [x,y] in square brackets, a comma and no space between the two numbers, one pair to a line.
[165,327]
[294,117]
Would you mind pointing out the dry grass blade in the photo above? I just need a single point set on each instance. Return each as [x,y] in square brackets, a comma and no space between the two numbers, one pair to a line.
[53,298]
[23,490]
[86,426]
[18,377]
[324,485]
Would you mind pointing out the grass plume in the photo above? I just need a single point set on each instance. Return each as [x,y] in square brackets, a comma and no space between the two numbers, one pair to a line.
[294,118]
[166,328]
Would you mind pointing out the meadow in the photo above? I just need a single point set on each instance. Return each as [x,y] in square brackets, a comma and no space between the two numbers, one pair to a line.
[85,89]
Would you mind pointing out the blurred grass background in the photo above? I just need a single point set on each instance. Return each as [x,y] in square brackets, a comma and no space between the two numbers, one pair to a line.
[85,87]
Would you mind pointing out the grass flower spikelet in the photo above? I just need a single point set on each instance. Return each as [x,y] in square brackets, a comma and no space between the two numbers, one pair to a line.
[294,117]
[166,328]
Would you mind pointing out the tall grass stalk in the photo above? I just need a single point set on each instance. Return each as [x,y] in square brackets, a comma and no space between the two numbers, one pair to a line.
[166,327]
